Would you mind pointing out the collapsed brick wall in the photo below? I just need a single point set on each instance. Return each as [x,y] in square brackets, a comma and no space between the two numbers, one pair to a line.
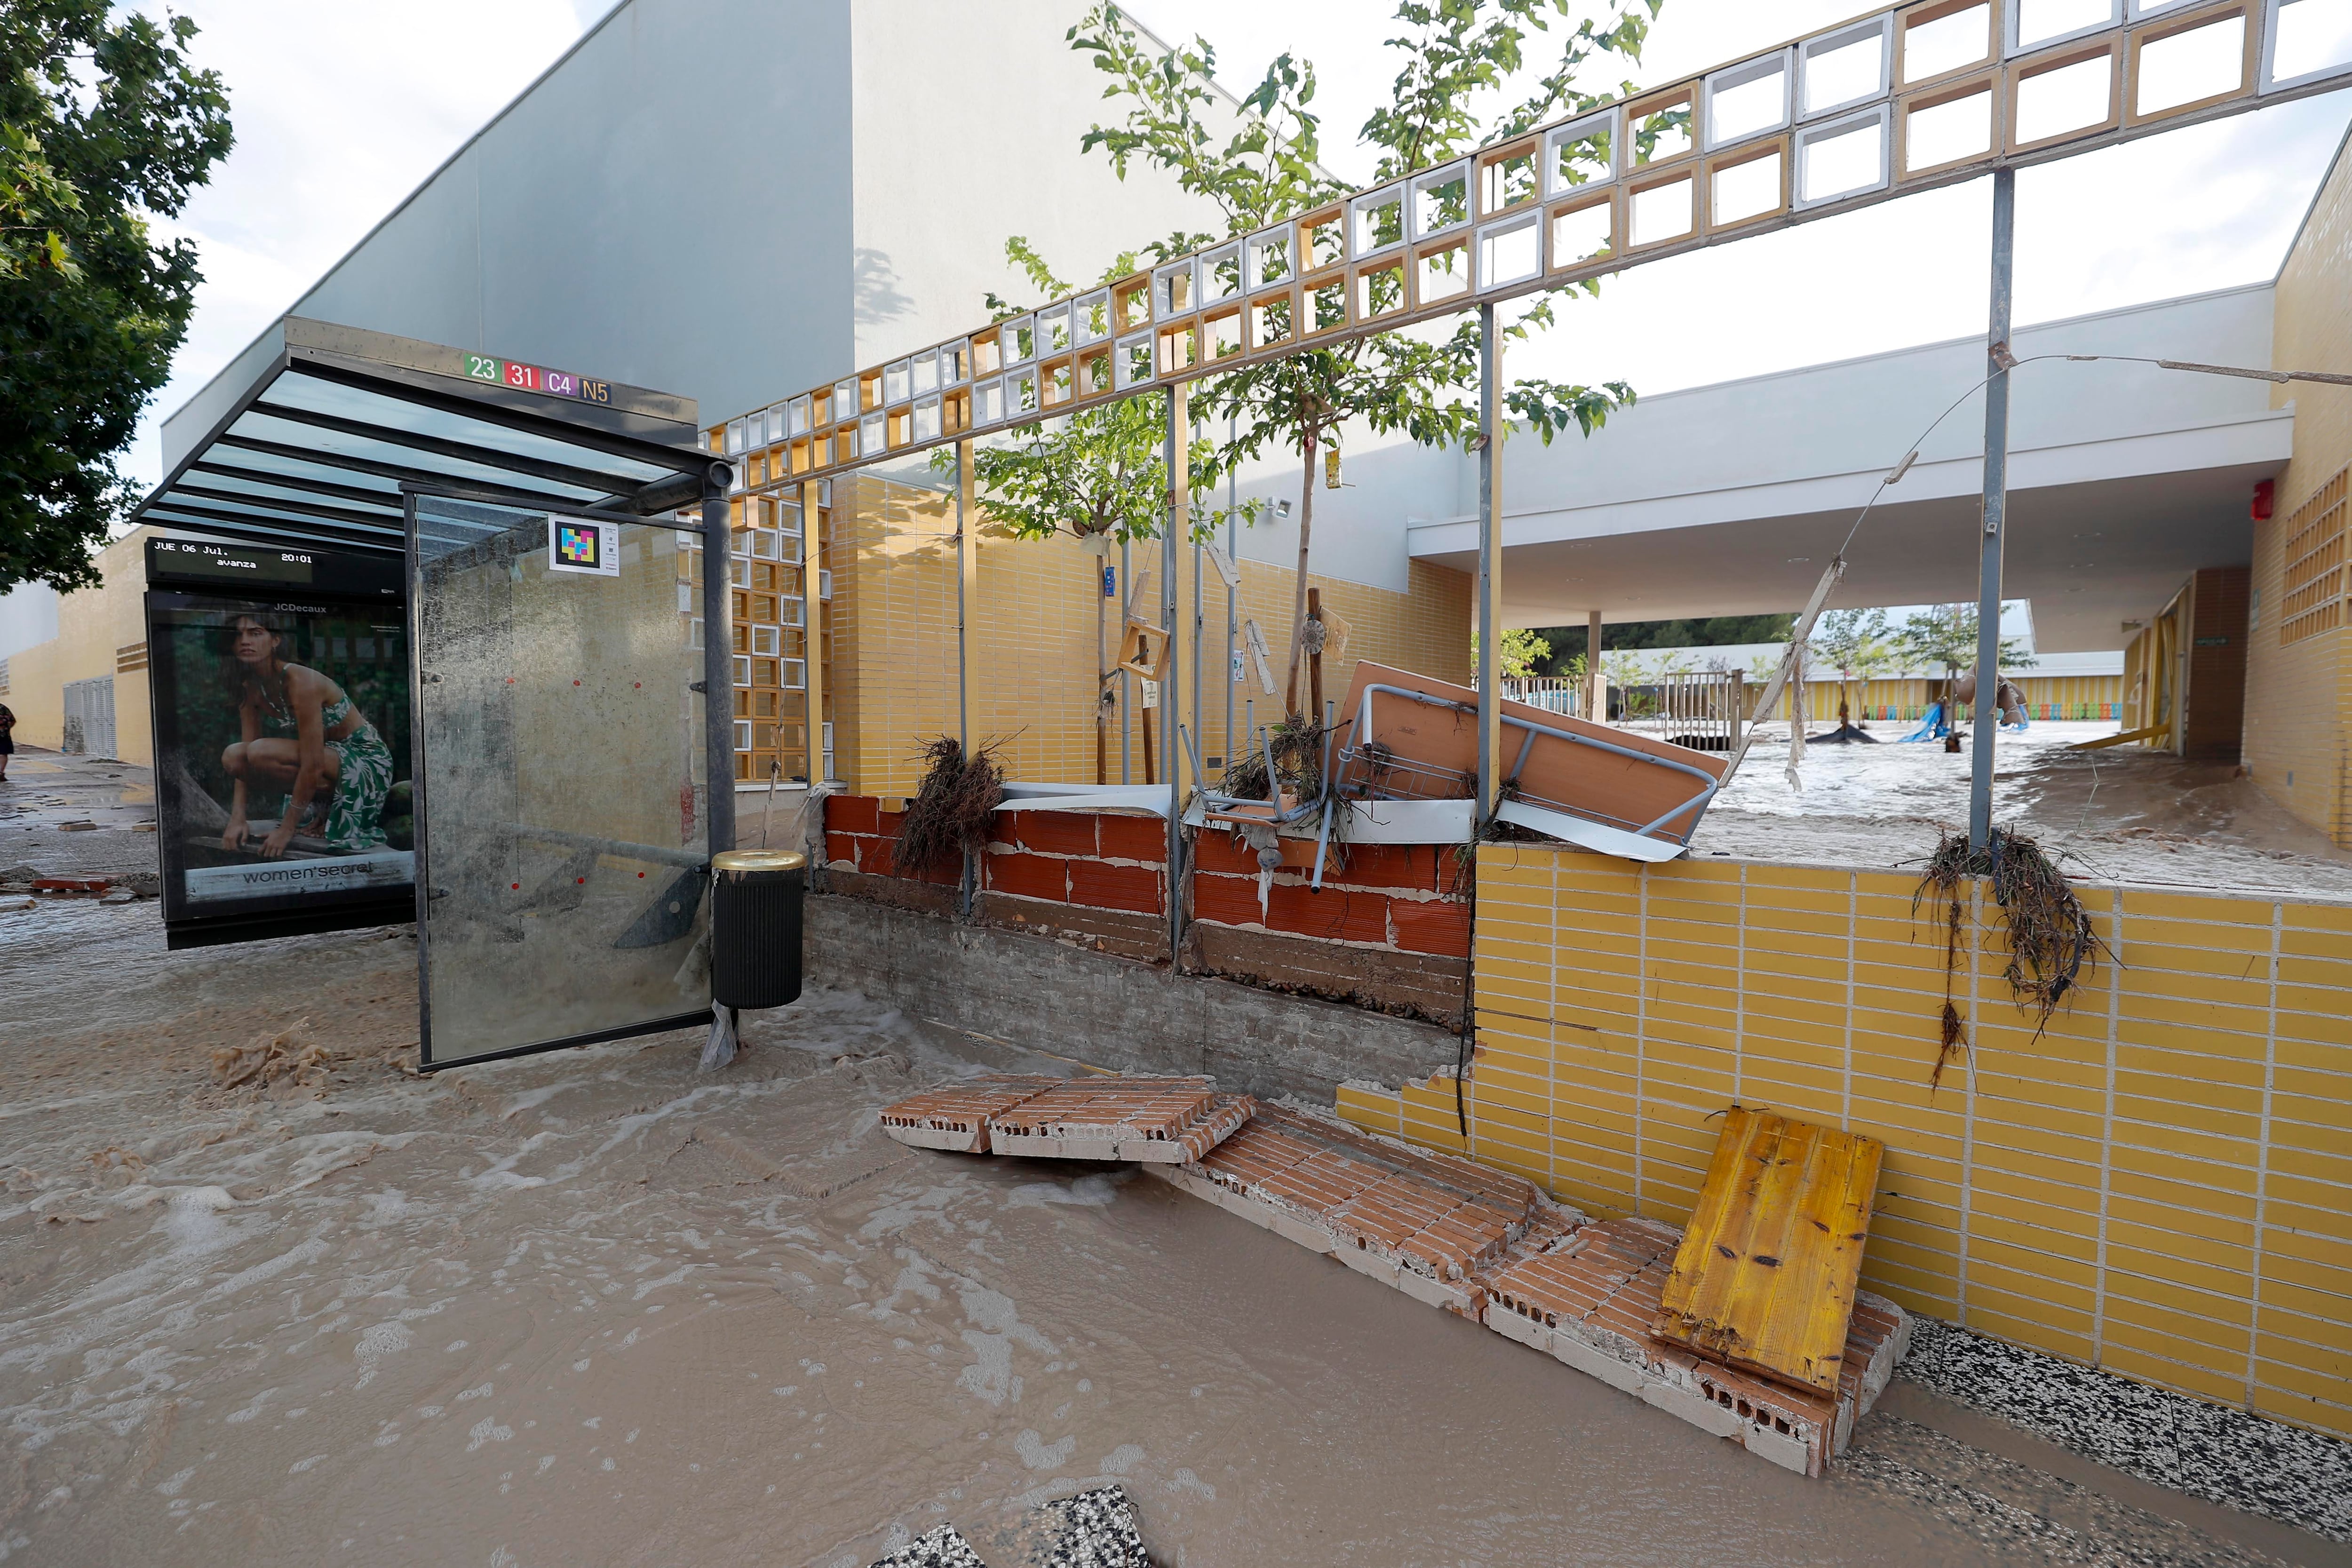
[1382,934]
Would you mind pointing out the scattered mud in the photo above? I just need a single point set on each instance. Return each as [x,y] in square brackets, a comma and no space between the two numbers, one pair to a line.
[2121,815]
[594,1307]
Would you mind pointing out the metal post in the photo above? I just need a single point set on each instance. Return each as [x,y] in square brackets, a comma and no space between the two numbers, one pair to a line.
[1172,741]
[1126,681]
[966,513]
[1232,605]
[1596,685]
[812,555]
[718,658]
[1490,600]
[1996,509]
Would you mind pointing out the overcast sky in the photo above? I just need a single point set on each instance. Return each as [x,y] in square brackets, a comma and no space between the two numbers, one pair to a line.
[342,109]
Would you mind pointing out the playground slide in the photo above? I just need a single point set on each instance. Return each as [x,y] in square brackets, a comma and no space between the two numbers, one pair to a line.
[1931,728]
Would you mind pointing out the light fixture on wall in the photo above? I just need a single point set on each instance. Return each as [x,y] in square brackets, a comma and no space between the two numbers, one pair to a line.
[1282,509]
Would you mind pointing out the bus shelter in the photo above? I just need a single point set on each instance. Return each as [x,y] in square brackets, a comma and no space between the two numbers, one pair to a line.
[428,635]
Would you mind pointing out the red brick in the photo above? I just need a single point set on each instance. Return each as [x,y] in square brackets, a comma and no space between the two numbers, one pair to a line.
[1030,876]
[1054,832]
[887,823]
[1229,901]
[874,857]
[1213,850]
[841,846]
[1441,927]
[1412,865]
[1132,837]
[1102,887]
[947,872]
[853,814]
[1332,914]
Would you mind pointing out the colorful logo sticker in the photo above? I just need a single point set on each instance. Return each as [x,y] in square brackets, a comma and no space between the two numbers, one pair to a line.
[578,544]
[575,544]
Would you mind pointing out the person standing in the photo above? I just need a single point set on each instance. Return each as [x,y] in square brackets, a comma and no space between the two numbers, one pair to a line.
[7,739]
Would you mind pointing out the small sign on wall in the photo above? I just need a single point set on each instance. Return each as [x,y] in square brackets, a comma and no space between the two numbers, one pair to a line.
[576,544]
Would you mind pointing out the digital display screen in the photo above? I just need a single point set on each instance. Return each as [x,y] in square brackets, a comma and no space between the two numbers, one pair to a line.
[282,769]
[205,564]
[230,563]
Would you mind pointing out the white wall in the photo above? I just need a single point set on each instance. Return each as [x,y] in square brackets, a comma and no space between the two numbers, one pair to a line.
[1857,417]
[968,120]
[28,614]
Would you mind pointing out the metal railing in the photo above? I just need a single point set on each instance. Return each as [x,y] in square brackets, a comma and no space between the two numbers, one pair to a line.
[1703,710]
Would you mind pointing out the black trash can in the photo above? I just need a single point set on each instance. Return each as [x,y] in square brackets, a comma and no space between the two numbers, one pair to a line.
[755,926]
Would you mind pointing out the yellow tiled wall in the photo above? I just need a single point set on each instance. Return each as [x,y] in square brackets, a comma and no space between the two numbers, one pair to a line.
[2299,695]
[1033,687]
[1872,699]
[2159,1183]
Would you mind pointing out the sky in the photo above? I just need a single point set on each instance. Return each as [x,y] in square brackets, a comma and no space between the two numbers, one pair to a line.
[342,109]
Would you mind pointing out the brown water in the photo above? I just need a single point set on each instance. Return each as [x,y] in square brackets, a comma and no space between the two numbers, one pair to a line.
[594,1308]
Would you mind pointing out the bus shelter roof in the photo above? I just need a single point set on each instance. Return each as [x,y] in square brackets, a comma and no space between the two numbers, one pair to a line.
[326,428]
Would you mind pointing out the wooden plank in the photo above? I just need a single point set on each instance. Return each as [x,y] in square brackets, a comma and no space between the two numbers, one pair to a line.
[1766,1273]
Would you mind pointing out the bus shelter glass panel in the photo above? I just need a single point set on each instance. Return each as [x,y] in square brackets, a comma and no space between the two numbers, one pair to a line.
[560,752]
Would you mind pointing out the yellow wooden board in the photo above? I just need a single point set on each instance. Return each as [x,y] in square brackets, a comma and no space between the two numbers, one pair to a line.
[1765,1276]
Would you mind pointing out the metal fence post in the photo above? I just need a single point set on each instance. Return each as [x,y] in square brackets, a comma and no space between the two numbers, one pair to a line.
[718,657]
[1490,599]
[1996,509]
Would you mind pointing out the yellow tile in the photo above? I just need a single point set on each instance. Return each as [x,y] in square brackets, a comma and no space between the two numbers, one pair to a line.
[2136,1354]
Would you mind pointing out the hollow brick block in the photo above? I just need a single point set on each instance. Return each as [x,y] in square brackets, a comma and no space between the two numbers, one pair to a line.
[1099,885]
[1441,927]
[1132,837]
[1054,832]
[853,814]
[1030,876]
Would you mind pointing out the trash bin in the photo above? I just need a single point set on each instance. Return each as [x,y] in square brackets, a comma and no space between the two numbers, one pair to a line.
[755,926]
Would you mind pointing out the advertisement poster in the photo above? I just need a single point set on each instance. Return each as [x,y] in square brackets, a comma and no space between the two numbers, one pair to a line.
[282,736]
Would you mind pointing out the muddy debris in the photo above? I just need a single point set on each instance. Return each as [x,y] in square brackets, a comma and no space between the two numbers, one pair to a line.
[291,1054]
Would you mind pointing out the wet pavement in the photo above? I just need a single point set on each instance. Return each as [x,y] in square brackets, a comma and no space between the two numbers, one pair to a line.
[596,1307]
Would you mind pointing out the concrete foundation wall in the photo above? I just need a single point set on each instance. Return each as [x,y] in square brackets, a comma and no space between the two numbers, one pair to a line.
[1108,1011]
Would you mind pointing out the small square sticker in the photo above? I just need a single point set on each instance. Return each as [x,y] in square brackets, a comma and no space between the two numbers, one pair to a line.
[576,544]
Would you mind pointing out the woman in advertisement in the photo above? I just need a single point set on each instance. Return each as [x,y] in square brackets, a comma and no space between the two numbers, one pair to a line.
[301,733]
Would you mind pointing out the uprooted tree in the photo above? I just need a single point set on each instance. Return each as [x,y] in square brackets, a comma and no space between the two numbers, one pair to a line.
[1264,168]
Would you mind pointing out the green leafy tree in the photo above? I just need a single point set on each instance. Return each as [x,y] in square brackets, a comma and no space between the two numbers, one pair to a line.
[1944,637]
[1854,643]
[1522,654]
[1265,168]
[103,124]
[1100,470]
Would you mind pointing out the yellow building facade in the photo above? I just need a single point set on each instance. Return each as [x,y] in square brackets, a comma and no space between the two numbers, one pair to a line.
[2298,722]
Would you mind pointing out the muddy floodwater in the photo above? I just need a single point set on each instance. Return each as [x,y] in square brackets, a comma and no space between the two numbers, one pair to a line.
[2124,814]
[596,1307]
